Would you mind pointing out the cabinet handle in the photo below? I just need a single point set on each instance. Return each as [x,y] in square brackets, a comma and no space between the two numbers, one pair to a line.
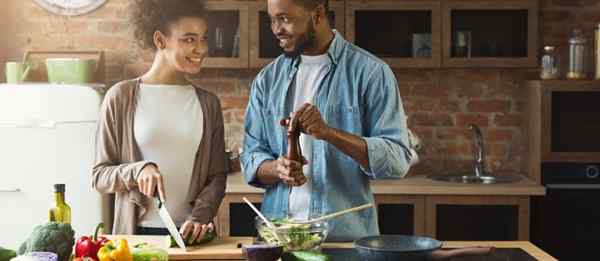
[573,186]
[9,190]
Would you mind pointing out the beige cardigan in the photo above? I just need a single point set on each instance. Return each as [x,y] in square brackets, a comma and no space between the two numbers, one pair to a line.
[118,162]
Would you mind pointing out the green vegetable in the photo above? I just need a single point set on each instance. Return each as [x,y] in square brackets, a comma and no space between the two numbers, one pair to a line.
[7,254]
[50,237]
[147,252]
[304,256]
[209,236]
[291,236]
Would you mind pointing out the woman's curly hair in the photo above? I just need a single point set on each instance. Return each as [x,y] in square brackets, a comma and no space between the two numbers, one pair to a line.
[149,16]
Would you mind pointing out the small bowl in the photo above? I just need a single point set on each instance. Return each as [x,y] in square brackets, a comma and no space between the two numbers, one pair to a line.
[262,252]
[293,237]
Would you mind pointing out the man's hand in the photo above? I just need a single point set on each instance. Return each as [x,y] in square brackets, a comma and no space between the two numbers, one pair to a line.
[290,172]
[149,180]
[310,121]
[197,230]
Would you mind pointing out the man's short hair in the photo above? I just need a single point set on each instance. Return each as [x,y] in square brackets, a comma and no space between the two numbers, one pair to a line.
[312,4]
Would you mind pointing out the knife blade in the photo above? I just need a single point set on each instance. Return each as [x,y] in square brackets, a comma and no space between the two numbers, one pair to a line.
[168,221]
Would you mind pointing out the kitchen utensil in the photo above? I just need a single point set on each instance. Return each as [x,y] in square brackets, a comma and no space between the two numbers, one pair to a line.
[16,72]
[269,224]
[335,214]
[168,221]
[407,248]
[70,70]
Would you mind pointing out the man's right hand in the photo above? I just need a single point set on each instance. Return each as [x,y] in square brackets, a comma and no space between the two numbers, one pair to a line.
[290,172]
[149,180]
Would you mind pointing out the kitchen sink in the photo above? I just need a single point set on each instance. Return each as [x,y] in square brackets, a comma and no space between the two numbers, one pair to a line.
[476,179]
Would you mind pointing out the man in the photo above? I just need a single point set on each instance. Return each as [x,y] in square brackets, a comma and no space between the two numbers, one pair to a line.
[346,103]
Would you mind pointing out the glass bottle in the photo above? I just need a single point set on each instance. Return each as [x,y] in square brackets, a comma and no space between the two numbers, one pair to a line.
[550,64]
[576,56]
[61,212]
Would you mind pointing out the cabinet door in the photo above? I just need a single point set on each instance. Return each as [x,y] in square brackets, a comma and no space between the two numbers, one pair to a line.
[485,33]
[228,34]
[264,46]
[402,33]
[470,218]
[401,214]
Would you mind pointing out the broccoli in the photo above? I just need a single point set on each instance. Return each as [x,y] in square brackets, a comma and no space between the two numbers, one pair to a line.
[50,237]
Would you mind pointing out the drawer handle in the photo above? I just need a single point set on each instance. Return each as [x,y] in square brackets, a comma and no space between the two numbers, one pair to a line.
[573,186]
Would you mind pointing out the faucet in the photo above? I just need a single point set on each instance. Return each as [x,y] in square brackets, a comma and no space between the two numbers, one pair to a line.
[478,153]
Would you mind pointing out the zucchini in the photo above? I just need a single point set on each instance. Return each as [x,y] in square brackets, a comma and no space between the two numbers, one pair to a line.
[209,236]
[7,254]
[304,256]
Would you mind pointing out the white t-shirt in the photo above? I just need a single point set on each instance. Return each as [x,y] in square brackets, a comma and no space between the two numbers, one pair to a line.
[168,128]
[311,71]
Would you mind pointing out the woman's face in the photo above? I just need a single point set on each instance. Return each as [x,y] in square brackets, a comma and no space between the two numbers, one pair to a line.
[187,45]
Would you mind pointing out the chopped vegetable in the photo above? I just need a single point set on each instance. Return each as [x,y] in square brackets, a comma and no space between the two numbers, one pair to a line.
[147,252]
[291,235]
[304,256]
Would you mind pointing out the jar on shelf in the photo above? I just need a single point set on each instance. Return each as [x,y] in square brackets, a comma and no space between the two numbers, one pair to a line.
[576,56]
[550,64]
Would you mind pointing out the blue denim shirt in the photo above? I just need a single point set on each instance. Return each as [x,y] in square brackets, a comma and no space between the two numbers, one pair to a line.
[358,95]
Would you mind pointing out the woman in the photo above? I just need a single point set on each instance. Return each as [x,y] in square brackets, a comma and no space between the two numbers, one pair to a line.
[159,135]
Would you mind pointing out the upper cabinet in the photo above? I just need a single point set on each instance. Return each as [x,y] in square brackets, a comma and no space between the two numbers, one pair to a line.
[403,33]
[486,33]
[264,47]
[228,34]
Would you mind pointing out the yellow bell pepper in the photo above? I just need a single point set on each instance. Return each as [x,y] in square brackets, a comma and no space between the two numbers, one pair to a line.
[120,252]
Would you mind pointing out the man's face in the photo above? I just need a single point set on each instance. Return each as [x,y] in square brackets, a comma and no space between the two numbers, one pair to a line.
[293,26]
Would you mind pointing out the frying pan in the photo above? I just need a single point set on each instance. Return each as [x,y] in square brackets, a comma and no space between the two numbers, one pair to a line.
[409,248]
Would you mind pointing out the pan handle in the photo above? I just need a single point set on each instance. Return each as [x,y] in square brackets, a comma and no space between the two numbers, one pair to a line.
[441,254]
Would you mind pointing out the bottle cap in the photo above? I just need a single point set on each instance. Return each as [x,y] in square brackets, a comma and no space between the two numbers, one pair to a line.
[59,187]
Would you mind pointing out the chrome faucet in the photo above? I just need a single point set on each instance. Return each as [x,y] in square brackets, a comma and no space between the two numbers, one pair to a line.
[478,152]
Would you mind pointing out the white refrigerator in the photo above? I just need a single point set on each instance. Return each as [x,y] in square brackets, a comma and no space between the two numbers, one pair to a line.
[47,135]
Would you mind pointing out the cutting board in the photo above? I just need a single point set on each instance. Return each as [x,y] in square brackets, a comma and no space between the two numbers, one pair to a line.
[218,249]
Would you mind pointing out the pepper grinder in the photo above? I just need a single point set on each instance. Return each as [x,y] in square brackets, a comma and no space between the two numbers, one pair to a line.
[293,140]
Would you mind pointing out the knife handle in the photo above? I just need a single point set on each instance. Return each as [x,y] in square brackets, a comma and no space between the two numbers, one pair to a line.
[157,199]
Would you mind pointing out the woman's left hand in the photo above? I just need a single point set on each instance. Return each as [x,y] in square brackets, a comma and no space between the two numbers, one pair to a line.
[197,230]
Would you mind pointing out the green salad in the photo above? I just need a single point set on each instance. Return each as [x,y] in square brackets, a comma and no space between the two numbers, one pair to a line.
[292,236]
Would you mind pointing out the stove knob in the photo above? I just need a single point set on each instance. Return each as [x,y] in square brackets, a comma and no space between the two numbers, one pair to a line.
[592,171]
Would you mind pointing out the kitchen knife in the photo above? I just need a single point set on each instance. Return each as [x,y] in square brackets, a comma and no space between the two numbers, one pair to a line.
[168,221]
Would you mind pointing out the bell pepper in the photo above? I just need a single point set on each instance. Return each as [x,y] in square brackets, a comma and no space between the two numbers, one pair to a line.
[120,252]
[89,246]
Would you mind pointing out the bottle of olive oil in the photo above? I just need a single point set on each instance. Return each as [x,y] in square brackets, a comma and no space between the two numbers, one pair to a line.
[61,212]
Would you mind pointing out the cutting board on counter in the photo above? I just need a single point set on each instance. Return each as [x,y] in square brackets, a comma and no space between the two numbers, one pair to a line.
[220,248]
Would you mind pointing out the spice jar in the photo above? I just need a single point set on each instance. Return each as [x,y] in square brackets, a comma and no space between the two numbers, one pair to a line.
[576,56]
[550,64]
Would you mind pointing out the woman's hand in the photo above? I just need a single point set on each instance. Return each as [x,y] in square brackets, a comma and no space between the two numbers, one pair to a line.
[197,230]
[149,180]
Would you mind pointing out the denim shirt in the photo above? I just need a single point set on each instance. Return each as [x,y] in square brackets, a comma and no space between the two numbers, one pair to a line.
[358,95]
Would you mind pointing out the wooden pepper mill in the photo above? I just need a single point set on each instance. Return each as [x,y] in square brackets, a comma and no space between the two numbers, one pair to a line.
[294,151]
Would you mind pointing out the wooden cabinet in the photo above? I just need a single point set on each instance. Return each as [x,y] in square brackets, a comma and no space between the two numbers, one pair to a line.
[477,218]
[403,215]
[439,216]
[264,46]
[485,33]
[563,123]
[228,34]
[402,33]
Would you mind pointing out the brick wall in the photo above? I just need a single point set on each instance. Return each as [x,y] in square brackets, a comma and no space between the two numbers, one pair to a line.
[440,102]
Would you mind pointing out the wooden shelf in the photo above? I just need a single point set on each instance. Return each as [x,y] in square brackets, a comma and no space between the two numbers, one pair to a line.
[232,17]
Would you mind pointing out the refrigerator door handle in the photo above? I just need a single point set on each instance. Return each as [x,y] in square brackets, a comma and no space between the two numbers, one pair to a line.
[47,124]
[10,190]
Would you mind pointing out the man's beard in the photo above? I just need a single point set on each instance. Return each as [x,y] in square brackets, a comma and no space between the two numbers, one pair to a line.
[307,40]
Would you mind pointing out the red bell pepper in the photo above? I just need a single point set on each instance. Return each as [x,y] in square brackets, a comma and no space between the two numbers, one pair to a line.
[89,246]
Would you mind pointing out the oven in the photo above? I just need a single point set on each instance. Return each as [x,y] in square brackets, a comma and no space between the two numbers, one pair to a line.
[566,221]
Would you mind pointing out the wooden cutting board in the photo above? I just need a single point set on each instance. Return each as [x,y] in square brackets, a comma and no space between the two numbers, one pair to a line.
[219,249]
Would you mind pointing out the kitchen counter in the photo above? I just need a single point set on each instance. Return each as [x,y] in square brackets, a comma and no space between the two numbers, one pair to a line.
[417,185]
[229,248]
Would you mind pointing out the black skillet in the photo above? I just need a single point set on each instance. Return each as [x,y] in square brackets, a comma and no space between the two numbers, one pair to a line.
[409,248]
